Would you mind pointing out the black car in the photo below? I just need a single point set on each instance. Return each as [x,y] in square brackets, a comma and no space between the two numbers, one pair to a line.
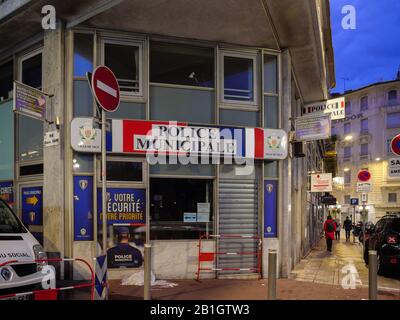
[384,237]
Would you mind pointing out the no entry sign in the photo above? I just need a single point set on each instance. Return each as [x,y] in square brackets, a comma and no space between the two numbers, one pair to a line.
[395,145]
[105,88]
[364,176]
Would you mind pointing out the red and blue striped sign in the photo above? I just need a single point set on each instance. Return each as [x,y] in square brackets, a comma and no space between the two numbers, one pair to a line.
[364,176]
[395,145]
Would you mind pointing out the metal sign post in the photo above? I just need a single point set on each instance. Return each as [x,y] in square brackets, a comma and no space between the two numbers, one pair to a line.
[105,89]
[104,179]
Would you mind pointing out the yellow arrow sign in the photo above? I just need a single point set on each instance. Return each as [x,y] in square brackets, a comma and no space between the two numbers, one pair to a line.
[32,200]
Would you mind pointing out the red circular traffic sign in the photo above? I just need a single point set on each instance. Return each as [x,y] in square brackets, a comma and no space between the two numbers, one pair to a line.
[395,145]
[364,176]
[105,88]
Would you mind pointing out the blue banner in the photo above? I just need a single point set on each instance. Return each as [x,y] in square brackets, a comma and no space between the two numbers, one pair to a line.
[270,208]
[124,205]
[7,192]
[32,205]
[83,208]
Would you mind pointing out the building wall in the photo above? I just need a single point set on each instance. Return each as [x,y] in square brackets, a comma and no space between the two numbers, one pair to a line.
[377,137]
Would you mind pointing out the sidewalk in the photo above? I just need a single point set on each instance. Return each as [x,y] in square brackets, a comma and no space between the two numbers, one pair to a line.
[317,277]
[337,268]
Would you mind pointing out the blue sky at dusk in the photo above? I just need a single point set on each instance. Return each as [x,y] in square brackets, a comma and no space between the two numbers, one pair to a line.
[371,52]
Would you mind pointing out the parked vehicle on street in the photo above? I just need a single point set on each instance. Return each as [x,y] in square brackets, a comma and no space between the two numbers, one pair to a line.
[384,237]
[19,245]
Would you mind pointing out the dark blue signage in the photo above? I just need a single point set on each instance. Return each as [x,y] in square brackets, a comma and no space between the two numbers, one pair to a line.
[270,208]
[83,208]
[354,201]
[7,192]
[32,205]
[124,205]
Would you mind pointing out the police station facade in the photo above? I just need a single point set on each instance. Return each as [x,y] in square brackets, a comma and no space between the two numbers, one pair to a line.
[189,87]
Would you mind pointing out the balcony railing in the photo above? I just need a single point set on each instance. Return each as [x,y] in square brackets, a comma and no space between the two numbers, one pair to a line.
[365,157]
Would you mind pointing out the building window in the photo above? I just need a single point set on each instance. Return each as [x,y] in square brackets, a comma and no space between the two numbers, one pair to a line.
[347,199]
[348,107]
[364,126]
[125,60]
[30,130]
[333,131]
[347,128]
[392,96]
[180,208]
[271,91]
[346,153]
[31,70]
[124,171]
[347,177]
[392,197]
[83,54]
[364,103]
[6,80]
[364,149]
[393,120]
[182,65]
[239,73]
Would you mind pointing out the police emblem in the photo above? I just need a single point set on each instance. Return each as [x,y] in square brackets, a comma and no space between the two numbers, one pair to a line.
[83,231]
[83,184]
[270,188]
[274,141]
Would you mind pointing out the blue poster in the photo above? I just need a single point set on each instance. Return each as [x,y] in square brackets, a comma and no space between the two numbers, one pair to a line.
[32,205]
[270,208]
[124,205]
[7,192]
[83,208]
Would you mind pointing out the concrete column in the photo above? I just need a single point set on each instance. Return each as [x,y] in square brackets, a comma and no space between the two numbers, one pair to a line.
[285,228]
[53,181]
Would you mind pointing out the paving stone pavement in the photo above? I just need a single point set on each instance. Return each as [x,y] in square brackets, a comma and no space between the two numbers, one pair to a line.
[344,266]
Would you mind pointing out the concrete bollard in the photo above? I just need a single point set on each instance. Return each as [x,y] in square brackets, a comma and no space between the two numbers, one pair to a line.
[147,271]
[372,275]
[272,258]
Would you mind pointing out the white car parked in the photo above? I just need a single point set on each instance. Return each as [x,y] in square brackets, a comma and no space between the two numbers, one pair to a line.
[17,243]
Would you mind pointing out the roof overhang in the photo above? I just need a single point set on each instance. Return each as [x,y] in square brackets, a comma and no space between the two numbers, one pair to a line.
[301,26]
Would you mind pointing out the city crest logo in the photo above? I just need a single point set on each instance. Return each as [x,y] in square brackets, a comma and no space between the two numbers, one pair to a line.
[83,184]
[274,141]
[87,133]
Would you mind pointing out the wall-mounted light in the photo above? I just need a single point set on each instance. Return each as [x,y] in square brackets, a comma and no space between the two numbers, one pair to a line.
[346,169]
[378,159]
[348,138]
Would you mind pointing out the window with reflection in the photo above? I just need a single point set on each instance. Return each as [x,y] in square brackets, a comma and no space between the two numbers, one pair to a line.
[180,208]
[6,81]
[239,79]
[182,65]
[83,54]
[31,73]
[124,61]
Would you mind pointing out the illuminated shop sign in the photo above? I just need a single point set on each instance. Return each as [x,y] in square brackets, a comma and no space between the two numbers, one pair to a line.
[174,138]
[334,107]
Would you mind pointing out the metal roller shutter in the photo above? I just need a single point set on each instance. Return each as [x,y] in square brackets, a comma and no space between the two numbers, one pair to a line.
[238,215]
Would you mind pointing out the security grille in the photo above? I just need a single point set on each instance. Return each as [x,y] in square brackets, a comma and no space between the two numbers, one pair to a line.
[238,215]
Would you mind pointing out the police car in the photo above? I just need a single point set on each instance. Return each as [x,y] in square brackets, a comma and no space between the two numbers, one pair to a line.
[18,244]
